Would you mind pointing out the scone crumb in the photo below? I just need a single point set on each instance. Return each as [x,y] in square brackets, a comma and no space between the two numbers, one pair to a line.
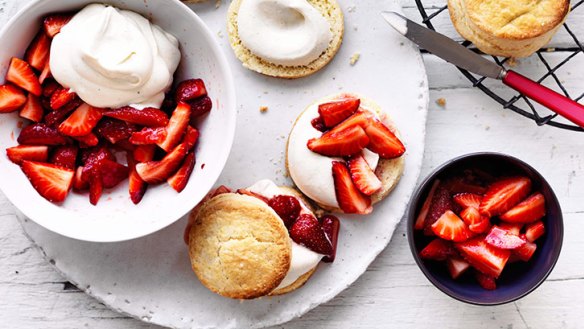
[264,109]
[217,4]
[441,102]
[355,58]
[512,62]
[551,49]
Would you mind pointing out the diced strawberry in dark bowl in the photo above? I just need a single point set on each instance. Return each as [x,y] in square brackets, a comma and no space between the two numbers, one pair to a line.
[485,228]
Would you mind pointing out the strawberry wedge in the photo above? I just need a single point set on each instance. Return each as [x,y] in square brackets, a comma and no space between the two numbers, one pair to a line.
[52,182]
[18,154]
[21,74]
[81,122]
[339,143]
[11,98]
[363,176]
[153,172]
[487,259]
[350,199]
[504,194]
[336,112]
[528,211]
[451,227]
[383,141]
[176,127]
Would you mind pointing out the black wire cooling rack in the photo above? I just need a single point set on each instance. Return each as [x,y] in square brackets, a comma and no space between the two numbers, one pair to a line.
[529,110]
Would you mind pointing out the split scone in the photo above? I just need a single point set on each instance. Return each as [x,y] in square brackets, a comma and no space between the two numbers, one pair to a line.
[510,28]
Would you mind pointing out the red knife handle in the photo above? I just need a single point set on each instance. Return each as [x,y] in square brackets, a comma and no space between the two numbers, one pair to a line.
[560,104]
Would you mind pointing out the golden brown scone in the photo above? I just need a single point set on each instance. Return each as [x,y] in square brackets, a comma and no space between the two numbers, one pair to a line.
[330,9]
[389,171]
[510,28]
[239,247]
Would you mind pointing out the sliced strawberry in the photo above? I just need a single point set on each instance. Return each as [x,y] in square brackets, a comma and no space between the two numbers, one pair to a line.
[144,153]
[33,109]
[466,200]
[65,156]
[481,227]
[49,87]
[419,225]
[502,239]
[45,72]
[37,54]
[19,153]
[96,154]
[438,249]
[451,227]
[22,75]
[150,117]
[471,215]
[318,124]
[361,119]
[331,227]
[528,211]
[190,89]
[137,187]
[153,172]
[482,256]
[456,266]
[287,207]
[95,186]
[191,137]
[115,130]
[41,134]
[11,98]
[504,195]
[81,122]
[55,117]
[88,140]
[534,231]
[440,204]
[526,251]
[112,173]
[54,23]
[176,126]
[308,232]
[350,199]
[336,112]
[486,281]
[148,136]
[179,180]
[51,182]
[342,143]
[511,228]
[363,176]
[199,107]
[79,182]
[383,141]
[61,97]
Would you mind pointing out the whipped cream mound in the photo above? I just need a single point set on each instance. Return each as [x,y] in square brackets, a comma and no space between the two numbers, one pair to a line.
[113,58]
[283,32]
[303,259]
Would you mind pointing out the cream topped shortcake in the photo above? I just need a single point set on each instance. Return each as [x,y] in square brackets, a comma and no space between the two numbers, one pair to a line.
[345,154]
[258,241]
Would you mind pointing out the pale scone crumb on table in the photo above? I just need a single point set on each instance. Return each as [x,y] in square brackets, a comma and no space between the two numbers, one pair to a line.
[355,58]
[441,102]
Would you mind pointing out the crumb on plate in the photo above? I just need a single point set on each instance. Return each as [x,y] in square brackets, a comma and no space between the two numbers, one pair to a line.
[355,58]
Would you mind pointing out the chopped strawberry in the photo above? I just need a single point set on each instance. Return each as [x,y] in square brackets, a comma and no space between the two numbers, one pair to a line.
[528,211]
[503,240]
[318,124]
[504,195]
[33,109]
[456,266]
[336,143]
[191,137]
[534,231]
[79,182]
[308,232]
[81,122]
[95,186]
[190,89]
[336,112]
[41,134]
[419,225]
[22,75]
[148,136]
[486,281]
[46,72]
[176,126]
[153,172]
[136,186]
[49,87]
[61,97]
[115,130]
[199,107]
[65,156]
[481,227]
[96,154]
[179,180]
[526,251]
[438,249]
[363,176]
[350,199]
[331,227]
[383,141]
[482,256]
[471,215]
[54,23]
[466,200]
[451,227]
[287,207]
[52,182]
[11,98]
[360,119]
[440,204]
[19,153]
[511,228]
[88,140]
[112,173]
[37,54]
[56,117]
[144,153]
[150,117]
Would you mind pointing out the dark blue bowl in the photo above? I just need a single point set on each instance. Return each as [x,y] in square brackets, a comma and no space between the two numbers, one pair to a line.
[518,279]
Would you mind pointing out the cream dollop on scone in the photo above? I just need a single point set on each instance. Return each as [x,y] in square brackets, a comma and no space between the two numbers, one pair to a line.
[285,38]
[113,58]
[345,154]
[262,240]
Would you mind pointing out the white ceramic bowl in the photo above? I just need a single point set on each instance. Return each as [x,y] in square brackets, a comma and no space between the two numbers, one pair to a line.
[116,218]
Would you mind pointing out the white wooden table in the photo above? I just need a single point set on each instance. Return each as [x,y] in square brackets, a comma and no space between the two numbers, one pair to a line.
[393,292]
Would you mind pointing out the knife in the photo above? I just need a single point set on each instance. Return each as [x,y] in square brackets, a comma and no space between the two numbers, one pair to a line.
[452,52]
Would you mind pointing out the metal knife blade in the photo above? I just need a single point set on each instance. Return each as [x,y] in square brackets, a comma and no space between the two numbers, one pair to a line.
[443,47]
